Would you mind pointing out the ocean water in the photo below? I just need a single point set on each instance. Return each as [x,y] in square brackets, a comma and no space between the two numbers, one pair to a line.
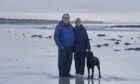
[98,27]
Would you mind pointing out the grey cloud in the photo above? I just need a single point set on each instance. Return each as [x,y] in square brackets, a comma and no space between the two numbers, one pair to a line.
[84,6]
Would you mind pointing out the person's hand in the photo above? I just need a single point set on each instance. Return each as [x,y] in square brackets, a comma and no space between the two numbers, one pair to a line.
[61,48]
[88,49]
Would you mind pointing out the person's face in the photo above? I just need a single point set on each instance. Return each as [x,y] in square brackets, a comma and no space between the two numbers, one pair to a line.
[78,23]
[66,19]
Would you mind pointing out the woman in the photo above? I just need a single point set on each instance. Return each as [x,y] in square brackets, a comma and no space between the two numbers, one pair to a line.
[81,45]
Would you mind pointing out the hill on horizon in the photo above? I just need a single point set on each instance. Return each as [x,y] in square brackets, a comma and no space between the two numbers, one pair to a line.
[37,21]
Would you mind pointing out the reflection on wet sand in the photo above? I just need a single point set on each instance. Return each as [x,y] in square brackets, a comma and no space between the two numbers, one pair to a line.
[77,81]
[92,81]
[64,81]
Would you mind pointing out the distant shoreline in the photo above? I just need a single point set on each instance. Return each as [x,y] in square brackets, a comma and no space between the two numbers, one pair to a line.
[38,21]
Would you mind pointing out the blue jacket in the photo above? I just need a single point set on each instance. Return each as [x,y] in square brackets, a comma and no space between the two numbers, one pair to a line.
[64,35]
[81,40]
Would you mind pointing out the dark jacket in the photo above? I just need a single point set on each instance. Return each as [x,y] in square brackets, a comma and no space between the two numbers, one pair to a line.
[81,43]
[64,35]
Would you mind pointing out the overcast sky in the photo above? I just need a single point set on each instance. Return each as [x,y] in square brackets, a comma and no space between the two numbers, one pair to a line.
[108,10]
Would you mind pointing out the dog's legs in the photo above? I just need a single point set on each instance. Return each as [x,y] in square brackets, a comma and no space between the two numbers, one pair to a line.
[88,73]
[92,73]
[98,66]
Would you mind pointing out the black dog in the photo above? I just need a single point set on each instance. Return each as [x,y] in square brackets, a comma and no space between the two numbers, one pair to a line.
[91,62]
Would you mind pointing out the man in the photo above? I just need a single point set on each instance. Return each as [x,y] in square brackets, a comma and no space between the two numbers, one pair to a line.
[64,38]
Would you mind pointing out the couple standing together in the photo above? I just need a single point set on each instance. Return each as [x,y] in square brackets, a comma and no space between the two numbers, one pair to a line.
[71,40]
